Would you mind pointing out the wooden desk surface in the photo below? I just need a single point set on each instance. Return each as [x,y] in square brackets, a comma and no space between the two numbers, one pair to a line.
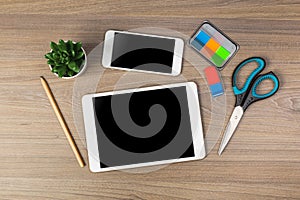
[262,160]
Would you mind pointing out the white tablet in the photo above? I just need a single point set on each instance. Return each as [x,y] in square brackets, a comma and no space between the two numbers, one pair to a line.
[143,127]
[142,52]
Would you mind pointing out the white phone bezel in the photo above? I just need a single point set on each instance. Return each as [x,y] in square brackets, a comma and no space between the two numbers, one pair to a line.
[108,49]
[91,135]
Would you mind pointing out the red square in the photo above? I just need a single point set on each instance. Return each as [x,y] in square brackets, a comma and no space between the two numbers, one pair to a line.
[212,75]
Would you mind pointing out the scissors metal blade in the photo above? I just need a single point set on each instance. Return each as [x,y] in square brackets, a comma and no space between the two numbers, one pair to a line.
[235,118]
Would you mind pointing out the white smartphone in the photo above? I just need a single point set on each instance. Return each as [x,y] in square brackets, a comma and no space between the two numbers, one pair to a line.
[142,52]
[143,127]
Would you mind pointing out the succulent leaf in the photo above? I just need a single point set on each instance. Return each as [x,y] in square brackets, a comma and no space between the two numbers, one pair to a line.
[72,52]
[77,46]
[50,62]
[70,73]
[49,56]
[55,56]
[62,45]
[79,55]
[61,71]
[65,53]
[55,69]
[53,46]
[70,45]
[73,66]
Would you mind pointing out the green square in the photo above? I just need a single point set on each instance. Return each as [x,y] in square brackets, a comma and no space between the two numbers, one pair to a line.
[217,60]
[222,52]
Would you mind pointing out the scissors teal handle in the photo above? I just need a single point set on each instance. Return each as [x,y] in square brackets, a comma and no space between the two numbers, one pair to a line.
[247,94]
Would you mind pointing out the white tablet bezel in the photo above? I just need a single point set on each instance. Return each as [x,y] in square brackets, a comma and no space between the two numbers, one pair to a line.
[91,135]
[108,49]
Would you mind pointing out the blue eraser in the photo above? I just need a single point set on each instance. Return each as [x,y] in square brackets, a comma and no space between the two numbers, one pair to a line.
[216,89]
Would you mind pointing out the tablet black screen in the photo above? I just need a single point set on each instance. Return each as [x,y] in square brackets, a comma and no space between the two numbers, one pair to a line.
[143,127]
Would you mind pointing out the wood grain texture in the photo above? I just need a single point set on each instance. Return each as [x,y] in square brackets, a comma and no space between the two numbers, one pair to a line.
[262,160]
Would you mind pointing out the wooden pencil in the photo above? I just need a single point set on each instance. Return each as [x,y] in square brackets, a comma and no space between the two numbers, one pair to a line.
[62,122]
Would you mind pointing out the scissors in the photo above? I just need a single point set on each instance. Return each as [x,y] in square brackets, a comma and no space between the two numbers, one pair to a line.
[246,95]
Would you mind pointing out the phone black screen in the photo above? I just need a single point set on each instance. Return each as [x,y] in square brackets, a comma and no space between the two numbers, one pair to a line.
[143,52]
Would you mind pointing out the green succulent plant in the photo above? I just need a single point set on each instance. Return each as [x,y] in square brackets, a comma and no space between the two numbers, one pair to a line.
[65,58]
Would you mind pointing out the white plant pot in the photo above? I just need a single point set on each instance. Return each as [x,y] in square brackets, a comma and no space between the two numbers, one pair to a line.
[82,68]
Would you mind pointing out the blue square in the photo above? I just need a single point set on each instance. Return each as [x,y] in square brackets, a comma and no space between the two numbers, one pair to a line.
[202,37]
[196,44]
[216,89]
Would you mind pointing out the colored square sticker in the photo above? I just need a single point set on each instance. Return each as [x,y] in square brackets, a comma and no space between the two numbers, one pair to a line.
[217,60]
[211,75]
[202,37]
[197,45]
[216,89]
[212,44]
[205,51]
[222,52]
